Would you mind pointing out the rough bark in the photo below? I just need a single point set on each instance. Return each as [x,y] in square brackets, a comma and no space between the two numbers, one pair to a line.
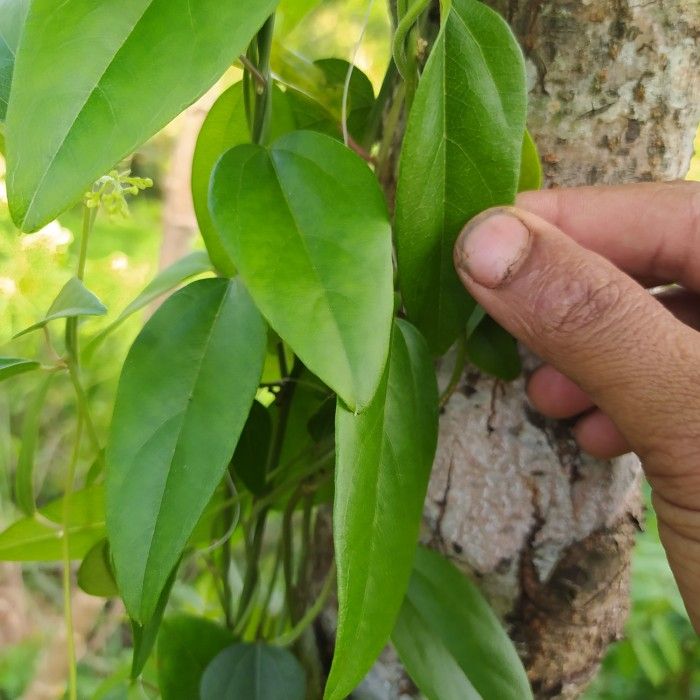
[613,98]
[547,531]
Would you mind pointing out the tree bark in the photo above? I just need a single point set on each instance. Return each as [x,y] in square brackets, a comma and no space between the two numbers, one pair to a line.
[547,531]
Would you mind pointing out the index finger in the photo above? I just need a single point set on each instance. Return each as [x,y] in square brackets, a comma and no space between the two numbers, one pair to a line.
[649,230]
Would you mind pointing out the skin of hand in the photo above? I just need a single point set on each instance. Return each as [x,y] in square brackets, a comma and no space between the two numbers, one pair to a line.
[566,271]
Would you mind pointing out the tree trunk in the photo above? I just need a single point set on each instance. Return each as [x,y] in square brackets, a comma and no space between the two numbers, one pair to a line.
[547,531]
[614,93]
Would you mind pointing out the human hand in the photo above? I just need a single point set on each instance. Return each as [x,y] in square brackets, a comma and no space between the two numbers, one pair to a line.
[565,271]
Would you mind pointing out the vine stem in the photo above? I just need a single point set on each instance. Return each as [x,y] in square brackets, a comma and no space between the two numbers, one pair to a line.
[67,585]
[288,638]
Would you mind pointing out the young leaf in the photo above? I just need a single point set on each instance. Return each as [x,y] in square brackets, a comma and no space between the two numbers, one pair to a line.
[196,263]
[226,126]
[254,672]
[12,366]
[76,108]
[445,615]
[95,575]
[145,634]
[322,111]
[383,463]
[186,646]
[31,539]
[307,227]
[250,458]
[12,15]
[24,475]
[494,350]
[73,300]
[461,155]
[530,166]
[200,358]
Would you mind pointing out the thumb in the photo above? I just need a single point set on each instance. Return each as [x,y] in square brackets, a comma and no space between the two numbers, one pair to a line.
[592,322]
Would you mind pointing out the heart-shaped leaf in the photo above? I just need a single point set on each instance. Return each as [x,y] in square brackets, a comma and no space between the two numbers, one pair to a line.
[94,80]
[306,225]
[461,155]
[226,126]
[254,672]
[450,640]
[383,463]
[200,357]
[186,646]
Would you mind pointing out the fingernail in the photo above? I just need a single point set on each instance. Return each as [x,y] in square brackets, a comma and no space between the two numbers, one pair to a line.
[491,248]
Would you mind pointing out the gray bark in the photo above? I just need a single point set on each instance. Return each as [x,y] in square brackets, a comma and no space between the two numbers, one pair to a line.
[547,531]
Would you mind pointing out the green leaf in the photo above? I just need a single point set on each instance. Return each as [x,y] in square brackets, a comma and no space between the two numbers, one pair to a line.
[196,263]
[73,300]
[185,391]
[31,539]
[322,110]
[383,463]
[226,126]
[427,660]
[250,458]
[12,16]
[254,672]
[145,634]
[447,627]
[186,646]
[530,166]
[24,475]
[12,366]
[95,575]
[77,104]
[307,227]
[461,155]
[494,350]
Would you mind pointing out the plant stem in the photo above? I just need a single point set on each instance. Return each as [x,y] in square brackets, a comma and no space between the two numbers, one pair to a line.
[67,586]
[288,638]
[460,361]
[250,583]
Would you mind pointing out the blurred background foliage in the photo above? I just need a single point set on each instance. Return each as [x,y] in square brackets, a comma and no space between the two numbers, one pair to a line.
[660,654]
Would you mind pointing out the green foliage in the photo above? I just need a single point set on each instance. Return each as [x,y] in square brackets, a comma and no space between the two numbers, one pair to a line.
[24,475]
[225,433]
[440,605]
[95,575]
[89,94]
[186,647]
[12,16]
[201,358]
[12,366]
[34,539]
[73,301]
[306,225]
[253,671]
[452,167]
[384,458]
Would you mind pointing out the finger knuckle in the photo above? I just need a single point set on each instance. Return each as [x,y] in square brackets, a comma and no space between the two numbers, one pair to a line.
[577,304]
